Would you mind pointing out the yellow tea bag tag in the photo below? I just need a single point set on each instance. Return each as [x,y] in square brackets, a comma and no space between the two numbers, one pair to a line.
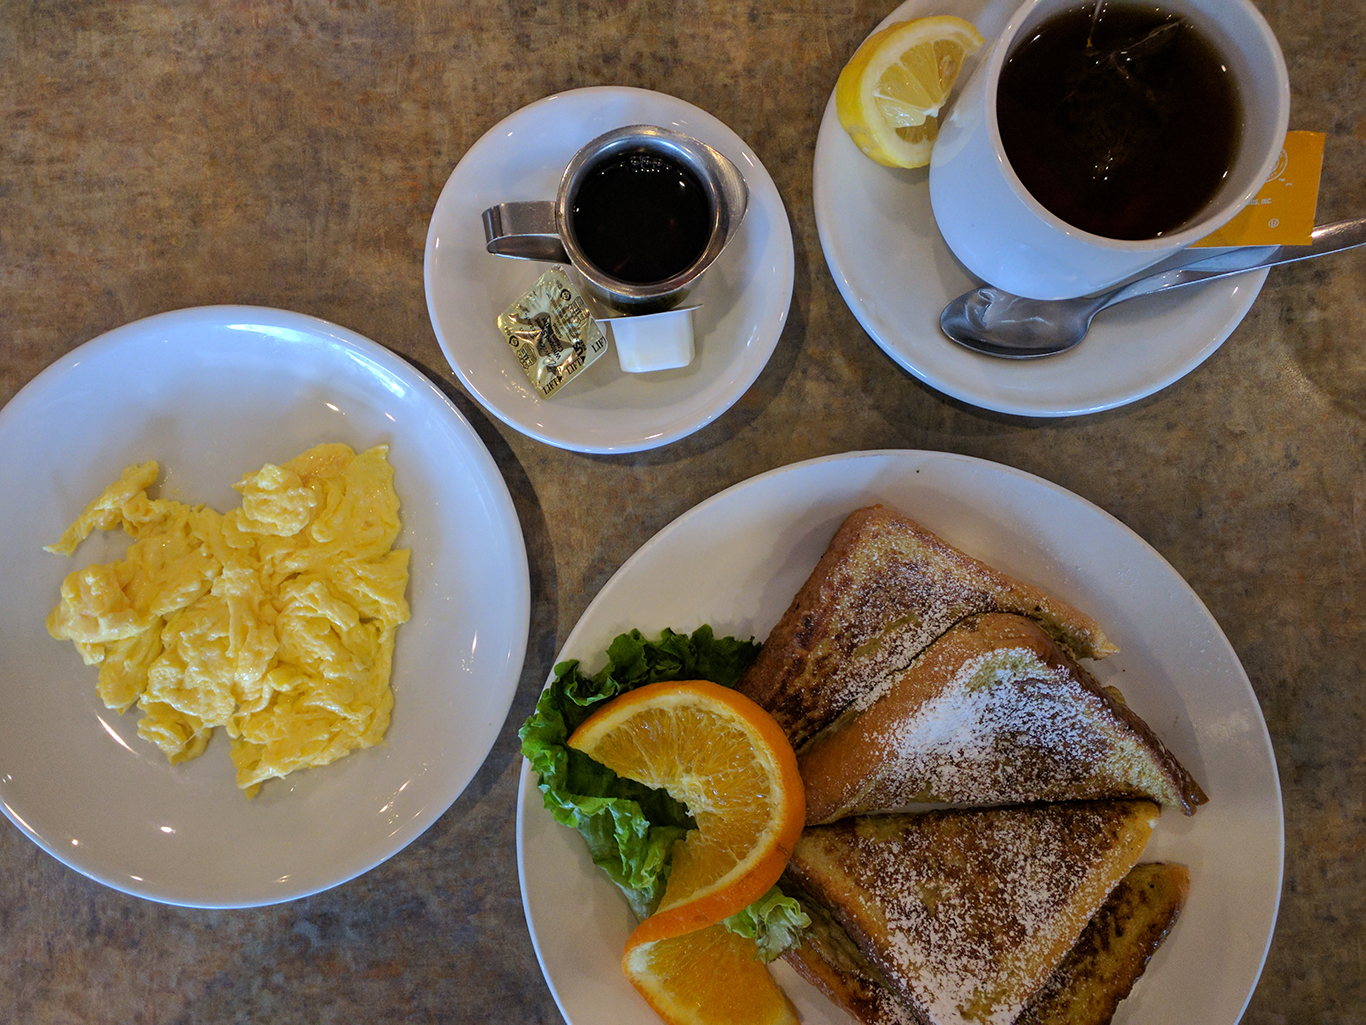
[1283,212]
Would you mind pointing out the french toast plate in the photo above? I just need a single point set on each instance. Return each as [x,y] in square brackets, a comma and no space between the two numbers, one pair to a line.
[736,560]
[212,394]
[896,273]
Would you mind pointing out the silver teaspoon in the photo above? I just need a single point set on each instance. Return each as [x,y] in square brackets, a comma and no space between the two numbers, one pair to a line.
[994,322]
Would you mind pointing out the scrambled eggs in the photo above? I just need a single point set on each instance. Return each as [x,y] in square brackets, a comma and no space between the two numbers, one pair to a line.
[275,621]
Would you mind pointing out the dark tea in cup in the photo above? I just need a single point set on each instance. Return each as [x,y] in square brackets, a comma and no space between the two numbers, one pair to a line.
[1122,121]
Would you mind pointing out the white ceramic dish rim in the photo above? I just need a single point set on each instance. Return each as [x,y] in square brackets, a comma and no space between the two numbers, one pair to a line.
[1016,388]
[765,324]
[501,668]
[809,1001]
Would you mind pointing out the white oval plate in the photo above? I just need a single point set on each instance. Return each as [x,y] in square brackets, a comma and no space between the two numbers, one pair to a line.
[735,562]
[212,394]
[744,296]
[896,274]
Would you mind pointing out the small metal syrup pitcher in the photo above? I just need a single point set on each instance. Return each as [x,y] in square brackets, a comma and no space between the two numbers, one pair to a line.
[544,229]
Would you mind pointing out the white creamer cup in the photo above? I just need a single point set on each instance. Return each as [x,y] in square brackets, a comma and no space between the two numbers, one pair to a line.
[1008,238]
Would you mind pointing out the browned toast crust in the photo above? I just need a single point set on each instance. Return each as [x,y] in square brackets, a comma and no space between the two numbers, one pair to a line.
[965,913]
[991,713]
[1113,952]
[884,589]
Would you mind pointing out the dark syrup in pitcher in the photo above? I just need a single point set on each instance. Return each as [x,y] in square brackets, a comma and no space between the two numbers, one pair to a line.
[641,218]
[1126,131]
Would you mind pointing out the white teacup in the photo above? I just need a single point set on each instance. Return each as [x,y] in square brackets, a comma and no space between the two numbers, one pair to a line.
[1005,236]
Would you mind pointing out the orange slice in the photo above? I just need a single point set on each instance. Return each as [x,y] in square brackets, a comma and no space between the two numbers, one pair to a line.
[708,977]
[726,759]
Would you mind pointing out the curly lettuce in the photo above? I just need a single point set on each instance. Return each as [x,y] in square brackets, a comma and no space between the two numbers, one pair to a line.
[630,828]
[775,922]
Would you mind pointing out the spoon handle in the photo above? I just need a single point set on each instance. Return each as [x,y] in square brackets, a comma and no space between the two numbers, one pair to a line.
[1327,238]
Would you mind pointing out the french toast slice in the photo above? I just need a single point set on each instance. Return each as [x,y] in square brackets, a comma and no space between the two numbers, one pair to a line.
[1085,989]
[884,589]
[1101,969]
[832,962]
[991,713]
[965,913]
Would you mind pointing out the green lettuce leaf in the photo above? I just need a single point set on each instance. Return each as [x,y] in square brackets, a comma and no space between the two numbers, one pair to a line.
[774,921]
[630,829]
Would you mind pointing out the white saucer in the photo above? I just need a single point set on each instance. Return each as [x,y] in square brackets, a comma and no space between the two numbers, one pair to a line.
[735,561]
[896,274]
[744,296]
[212,394]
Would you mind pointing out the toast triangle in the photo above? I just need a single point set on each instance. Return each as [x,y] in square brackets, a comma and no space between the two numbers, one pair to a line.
[1101,968]
[1085,989]
[966,913]
[884,589]
[991,713]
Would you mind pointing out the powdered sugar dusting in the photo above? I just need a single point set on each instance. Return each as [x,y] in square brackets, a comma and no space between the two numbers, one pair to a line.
[896,653]
[1007,728]
[857,678]
[884,589]
[977,907]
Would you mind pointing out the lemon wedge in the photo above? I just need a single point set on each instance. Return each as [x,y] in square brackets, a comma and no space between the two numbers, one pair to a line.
[889,94]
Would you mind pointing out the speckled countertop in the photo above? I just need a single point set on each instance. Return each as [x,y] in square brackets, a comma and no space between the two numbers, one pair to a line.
[162,155]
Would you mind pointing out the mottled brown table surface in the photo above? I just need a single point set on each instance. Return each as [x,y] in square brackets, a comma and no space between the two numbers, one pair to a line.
[157,155]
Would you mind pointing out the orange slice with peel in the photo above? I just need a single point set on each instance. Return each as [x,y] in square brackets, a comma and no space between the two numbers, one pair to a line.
[707,977]
[729,762]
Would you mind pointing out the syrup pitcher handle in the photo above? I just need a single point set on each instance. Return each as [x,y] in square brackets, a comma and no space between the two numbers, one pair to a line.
[524,231]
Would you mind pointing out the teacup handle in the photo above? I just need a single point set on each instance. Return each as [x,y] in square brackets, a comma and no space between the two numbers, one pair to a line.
[524,231]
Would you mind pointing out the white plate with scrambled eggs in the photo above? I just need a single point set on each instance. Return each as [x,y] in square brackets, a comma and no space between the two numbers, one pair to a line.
[284,624]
